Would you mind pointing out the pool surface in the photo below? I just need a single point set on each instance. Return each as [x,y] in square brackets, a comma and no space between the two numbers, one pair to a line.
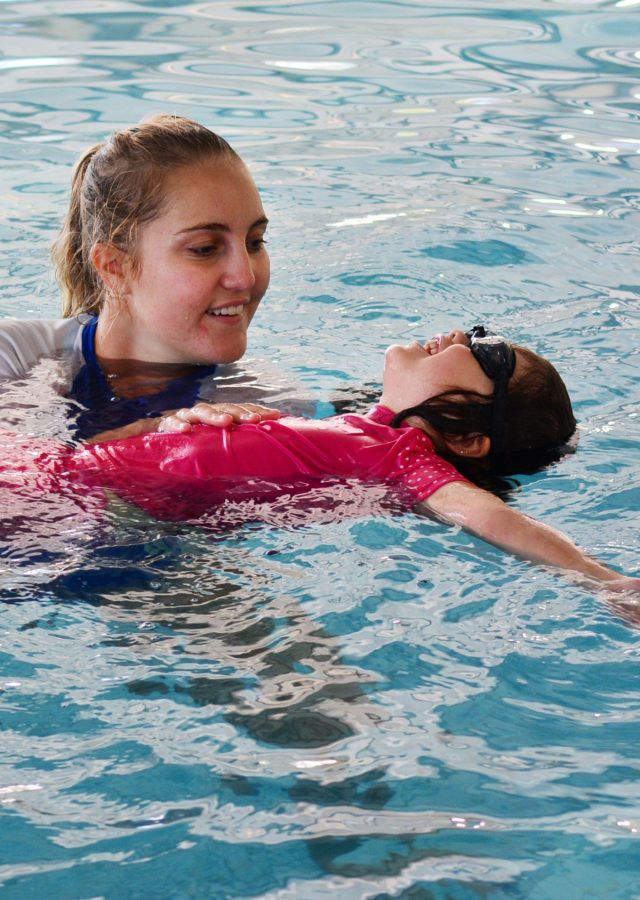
[352,703]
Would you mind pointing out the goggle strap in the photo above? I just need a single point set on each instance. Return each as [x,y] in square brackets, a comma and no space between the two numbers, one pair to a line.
[499,415]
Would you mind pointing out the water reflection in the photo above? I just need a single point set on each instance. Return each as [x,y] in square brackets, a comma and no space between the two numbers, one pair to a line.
[343,702]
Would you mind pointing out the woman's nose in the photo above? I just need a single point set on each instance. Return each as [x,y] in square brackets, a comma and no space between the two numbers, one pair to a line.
[459,337]
[239,274]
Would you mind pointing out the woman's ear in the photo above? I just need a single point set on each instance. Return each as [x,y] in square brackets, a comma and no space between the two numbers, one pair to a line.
[111,265]
[471,446]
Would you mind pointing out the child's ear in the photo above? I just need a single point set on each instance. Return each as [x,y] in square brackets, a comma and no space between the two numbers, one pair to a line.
[110,263]
[471,446]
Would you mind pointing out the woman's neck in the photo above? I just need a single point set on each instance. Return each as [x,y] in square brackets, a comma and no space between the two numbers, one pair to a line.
[130,378]
[128,374]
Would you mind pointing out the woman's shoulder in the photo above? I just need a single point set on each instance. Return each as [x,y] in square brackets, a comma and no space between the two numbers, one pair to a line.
[24,342]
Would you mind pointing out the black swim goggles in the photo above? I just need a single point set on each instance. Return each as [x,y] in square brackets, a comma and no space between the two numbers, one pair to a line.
[497,359]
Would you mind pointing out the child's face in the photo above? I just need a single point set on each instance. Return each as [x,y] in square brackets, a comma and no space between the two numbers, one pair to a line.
[415,372]
[202,268]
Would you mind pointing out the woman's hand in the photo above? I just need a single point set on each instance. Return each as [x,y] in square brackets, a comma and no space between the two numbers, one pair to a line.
[219,414]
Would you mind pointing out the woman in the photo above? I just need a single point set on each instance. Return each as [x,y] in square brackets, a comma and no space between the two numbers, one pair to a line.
[163,264]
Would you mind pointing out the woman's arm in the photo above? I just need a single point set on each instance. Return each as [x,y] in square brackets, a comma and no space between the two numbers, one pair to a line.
[24,342]
[219,414]
[488,517]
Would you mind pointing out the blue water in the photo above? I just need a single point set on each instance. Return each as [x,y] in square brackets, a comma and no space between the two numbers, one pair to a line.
[353,705]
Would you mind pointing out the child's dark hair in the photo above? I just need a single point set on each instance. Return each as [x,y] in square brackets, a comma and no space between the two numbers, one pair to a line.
[117,186]
[539,420]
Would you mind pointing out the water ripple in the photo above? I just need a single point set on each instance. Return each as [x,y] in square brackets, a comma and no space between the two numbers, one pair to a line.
[286,700]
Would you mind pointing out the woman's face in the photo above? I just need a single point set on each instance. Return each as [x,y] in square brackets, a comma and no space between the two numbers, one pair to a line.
[201,269]
[415,372]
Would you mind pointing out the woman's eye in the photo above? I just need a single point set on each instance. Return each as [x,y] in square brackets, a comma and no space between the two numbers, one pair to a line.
[255,244]
[204,250]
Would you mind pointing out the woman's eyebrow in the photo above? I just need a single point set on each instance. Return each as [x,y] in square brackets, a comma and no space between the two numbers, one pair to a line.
[262,222]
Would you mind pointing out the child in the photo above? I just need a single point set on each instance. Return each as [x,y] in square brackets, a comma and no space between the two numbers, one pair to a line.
[462,398]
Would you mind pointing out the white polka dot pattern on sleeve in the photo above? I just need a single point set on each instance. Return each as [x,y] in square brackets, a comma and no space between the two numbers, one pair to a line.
[420,469]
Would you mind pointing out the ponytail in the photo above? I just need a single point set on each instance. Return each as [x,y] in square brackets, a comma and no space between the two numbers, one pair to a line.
[75,274]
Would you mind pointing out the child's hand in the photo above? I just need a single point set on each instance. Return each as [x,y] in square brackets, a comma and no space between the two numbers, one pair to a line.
[623,583]
[622,596]
[219,414]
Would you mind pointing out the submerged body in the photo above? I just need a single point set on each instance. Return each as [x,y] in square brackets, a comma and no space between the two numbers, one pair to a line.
[81,380]
[60,355]
[226,476]
[182,475]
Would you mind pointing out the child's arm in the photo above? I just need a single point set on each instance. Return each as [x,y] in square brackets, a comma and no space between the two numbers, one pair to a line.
[488,517]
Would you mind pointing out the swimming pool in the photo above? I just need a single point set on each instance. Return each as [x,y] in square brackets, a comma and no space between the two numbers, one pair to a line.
[357,705]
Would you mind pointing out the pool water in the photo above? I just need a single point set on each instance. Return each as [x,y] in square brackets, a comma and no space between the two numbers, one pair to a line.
[354,703]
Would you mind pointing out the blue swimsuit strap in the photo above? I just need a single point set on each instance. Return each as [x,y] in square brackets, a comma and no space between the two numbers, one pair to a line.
[89,341]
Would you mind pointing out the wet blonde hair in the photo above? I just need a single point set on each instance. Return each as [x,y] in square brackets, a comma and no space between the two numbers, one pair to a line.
[117,186]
